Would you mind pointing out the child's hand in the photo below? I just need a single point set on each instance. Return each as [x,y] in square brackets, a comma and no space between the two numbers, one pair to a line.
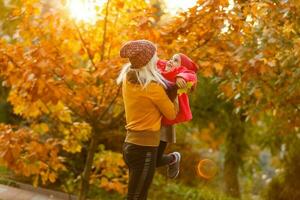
[181,83]
[185,90]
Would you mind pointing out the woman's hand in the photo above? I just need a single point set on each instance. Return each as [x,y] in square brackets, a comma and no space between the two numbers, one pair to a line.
[180,82]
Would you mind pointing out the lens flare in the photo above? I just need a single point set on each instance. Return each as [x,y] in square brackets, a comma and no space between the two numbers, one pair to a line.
[179,5]
[207,168]
[85,10]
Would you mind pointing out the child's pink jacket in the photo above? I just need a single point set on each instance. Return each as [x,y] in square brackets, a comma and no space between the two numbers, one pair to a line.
[184,113]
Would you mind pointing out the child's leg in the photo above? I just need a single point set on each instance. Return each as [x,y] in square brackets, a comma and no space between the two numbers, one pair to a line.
[163,159]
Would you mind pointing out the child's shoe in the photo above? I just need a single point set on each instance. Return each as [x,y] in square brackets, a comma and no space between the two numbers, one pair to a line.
[173,168]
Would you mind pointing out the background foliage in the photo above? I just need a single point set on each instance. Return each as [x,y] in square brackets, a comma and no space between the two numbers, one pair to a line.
[62,117]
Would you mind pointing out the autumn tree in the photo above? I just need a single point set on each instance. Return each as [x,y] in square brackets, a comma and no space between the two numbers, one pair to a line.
[252,46]
[221,129]
[61,78]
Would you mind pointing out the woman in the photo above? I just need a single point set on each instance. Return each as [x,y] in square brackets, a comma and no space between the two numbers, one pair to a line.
[145,102]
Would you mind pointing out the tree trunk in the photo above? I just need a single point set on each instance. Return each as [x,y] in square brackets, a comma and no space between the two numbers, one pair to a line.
[286,185]
[84,185]
[232,186]
[104,31]
[4,107]
[235,148]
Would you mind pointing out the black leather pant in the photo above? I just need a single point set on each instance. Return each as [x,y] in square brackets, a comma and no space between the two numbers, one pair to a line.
[142,161]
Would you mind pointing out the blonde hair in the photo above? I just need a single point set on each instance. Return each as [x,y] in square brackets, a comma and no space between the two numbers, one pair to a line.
[145,74]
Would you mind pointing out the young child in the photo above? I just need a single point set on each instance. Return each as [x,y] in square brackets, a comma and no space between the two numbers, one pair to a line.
[180,71]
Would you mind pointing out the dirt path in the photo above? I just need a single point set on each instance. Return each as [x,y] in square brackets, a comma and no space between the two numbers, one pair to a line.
[12,193]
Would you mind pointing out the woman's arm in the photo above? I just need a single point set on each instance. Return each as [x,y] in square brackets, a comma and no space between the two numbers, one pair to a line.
[160,98]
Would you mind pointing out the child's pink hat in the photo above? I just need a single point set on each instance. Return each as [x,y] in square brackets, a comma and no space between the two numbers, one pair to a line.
[188,63]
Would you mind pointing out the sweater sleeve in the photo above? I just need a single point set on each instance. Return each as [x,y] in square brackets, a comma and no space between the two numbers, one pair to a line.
[188,75]
[160,98]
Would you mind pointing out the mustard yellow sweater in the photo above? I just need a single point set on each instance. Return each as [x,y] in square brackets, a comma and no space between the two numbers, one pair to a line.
[144,108]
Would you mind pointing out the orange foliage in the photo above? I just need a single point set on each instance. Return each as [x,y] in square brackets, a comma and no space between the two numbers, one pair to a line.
[61,74]
[110,172]
[253,49]
[26,154]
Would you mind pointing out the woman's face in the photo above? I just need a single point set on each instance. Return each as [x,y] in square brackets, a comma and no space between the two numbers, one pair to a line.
[174,61]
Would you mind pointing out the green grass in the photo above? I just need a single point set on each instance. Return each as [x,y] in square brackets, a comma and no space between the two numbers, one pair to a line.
[165,190]
[4,177]
[161,189]
[3,170]
[170,190]
[96,193]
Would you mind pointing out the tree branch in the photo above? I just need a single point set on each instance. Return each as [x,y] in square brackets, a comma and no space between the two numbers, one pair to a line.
[85,46]
[109,106]
[104,31]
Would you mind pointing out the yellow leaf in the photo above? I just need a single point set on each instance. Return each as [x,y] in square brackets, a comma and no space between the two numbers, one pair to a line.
[52,177]
[41,128]
[185,90]
[258,94]
[218,66]
[227,90]
[207,72]
[36,181]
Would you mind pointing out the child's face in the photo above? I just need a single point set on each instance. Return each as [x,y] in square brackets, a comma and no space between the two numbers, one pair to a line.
[174,61]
